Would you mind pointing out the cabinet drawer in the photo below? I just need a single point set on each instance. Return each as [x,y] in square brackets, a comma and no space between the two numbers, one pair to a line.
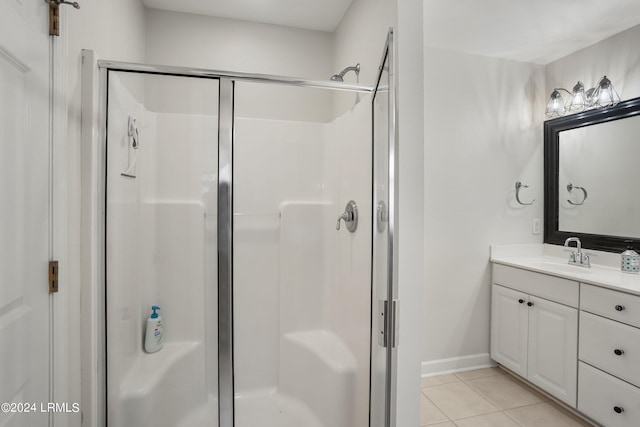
[599,394]
[541,285]
[612,304]
[600,340]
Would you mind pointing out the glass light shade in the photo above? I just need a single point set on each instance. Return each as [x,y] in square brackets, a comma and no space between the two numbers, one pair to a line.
[555,106]
[605,95]
[578,101]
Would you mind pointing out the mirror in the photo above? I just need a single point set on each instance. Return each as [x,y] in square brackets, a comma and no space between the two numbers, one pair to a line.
[592,177]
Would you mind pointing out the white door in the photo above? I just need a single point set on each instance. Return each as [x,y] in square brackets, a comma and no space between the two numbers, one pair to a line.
[553,348]
[509,324]
[24,212]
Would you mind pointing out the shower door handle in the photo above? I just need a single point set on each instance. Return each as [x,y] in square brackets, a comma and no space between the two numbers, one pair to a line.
[350,217]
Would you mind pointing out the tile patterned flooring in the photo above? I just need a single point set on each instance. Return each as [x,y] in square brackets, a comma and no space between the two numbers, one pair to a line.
[488,398]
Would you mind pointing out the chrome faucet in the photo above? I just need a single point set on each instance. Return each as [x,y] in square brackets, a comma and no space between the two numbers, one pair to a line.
[577,258]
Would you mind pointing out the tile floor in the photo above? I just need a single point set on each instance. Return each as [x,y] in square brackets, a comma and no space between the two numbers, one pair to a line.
[488,398]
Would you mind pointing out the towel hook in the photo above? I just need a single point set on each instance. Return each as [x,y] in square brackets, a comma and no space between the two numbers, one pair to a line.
[519,186]
[571,187]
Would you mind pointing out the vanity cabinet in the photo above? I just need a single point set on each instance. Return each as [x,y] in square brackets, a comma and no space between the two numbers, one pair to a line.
[609,378]
[534,329]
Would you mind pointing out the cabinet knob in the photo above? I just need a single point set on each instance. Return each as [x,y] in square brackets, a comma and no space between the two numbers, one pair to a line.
[530,304]
[618,352]
[619,307]
[521,301]
[618,409]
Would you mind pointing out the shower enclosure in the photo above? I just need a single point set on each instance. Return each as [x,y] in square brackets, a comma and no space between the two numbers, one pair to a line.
[221,209]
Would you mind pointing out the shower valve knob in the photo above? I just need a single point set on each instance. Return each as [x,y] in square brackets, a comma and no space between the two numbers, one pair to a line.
[350,217]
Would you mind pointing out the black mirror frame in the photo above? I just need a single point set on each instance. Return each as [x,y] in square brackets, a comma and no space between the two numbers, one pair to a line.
[552,128]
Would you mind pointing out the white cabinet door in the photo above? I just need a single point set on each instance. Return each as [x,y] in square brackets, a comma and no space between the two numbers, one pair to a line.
[553,348]
[24,211]
[509,322]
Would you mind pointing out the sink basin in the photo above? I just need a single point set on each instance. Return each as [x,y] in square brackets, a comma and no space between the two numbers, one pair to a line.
[560,267]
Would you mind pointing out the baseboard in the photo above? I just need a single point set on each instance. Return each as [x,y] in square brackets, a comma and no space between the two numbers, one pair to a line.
[457,364]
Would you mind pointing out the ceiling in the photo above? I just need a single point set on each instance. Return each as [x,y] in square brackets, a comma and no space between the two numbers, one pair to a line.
[537,31]
[321,15]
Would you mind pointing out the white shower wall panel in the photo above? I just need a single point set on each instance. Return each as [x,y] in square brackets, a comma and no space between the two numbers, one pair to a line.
[172,255]
[182,160]
[256,302]
[303,288]
[123,231]
[180,202]
[274,161]
[348,176]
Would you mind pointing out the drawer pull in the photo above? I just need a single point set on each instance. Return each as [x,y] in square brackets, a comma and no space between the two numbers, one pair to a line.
[618,352]
[530,304]
[618,409]
[521,301]
[619,307]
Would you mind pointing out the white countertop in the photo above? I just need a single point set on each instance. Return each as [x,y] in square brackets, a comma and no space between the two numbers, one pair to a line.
[553,260]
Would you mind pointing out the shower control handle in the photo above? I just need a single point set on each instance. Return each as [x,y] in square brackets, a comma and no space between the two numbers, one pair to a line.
[345,217]
[350,217]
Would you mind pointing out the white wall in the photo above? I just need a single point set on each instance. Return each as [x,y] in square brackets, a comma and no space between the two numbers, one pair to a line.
[411,273]
[616,57]
[225,44]
[115,30]
[483,132]
[360,38]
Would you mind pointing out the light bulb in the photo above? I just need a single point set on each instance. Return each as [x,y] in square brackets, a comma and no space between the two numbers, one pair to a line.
[555,106]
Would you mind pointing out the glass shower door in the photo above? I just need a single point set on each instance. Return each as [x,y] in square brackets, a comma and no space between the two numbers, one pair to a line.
[161,250]
[301,287]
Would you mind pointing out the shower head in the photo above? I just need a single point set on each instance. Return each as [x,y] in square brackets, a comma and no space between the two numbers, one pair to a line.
[339,77]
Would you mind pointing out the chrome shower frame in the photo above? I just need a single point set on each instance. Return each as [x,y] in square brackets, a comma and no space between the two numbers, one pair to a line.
[93,160]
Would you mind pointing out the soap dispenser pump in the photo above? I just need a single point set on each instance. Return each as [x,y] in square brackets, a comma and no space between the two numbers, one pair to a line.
[630,260]
[154,336]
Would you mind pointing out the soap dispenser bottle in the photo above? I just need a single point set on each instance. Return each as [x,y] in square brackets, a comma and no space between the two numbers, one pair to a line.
[154,336]
[630,260]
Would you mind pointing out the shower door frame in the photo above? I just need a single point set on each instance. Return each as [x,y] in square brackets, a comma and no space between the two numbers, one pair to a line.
[93,229]
[391,301]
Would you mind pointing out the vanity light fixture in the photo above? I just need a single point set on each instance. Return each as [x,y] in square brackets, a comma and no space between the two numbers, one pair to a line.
[601,96]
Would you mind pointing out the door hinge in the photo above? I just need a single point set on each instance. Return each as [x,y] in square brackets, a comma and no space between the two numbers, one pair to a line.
[54,18]
[388,323]
[53,276]
[54,14]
